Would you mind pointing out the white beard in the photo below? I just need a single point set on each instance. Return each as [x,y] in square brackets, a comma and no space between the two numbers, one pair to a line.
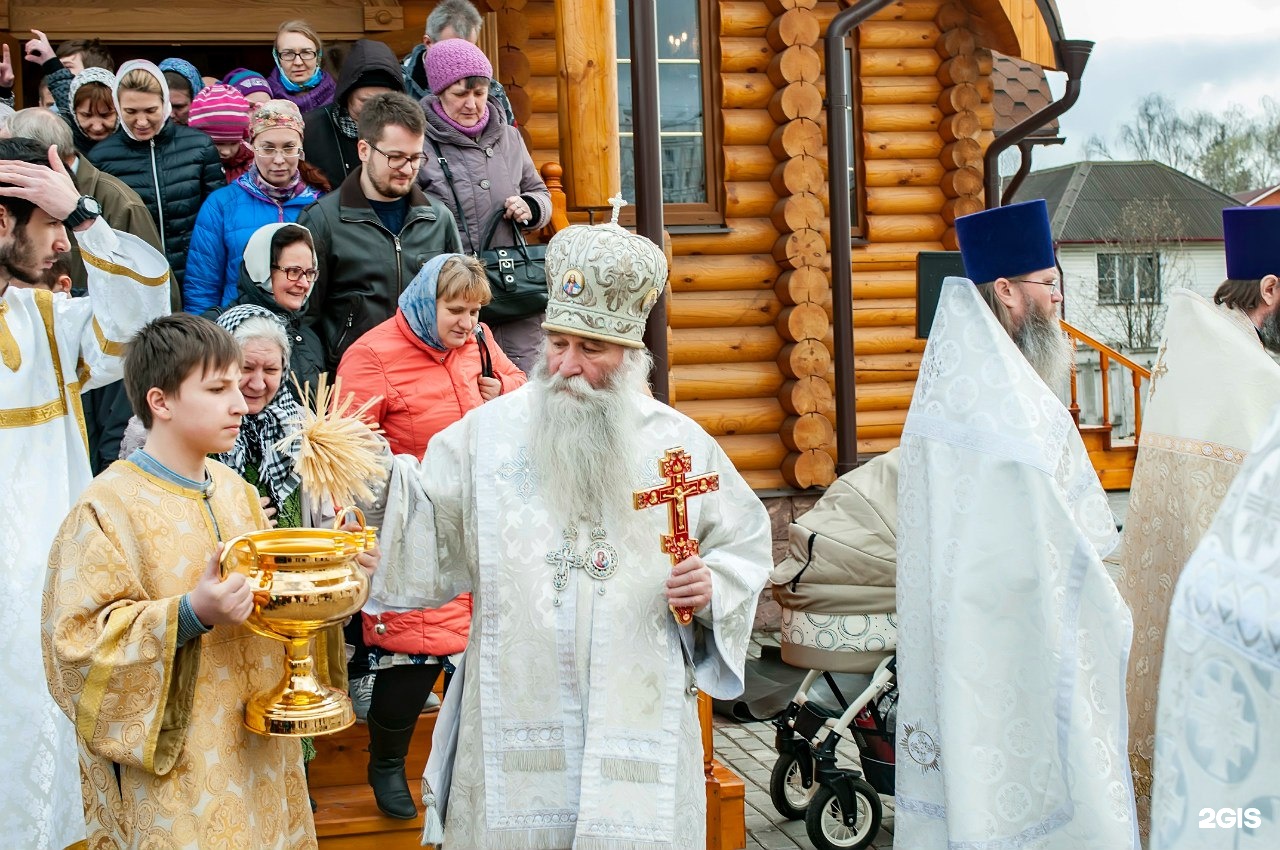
[584,440]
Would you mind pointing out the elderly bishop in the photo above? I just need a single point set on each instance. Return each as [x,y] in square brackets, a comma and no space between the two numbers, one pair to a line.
[575,722]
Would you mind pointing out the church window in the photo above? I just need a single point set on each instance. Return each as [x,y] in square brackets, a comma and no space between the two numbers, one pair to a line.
[689,113]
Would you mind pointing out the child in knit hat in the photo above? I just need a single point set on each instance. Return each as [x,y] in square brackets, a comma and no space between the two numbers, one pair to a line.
[251,84]
[222,113]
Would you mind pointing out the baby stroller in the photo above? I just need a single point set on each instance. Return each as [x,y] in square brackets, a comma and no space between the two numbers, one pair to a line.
[837,592]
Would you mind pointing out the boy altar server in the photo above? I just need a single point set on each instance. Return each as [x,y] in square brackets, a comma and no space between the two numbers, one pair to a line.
[145,646]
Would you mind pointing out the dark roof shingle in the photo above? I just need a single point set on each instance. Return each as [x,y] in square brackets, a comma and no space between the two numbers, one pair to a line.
[1088,200]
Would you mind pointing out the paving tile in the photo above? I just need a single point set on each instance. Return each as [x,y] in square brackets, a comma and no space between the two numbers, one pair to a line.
[775,839]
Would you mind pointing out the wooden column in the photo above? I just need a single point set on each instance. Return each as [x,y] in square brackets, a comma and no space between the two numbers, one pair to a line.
[966,91]
[804,287]
[587,60]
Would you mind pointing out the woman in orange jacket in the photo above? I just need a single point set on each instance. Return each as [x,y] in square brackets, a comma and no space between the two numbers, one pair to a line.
[428,364]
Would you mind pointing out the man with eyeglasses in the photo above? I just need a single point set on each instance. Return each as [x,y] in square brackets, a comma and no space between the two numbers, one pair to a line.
[1012,636]
[375,231]
[1213,389]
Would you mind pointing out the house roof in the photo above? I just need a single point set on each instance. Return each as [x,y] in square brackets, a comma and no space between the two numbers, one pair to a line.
[1021,89]
[1088,201]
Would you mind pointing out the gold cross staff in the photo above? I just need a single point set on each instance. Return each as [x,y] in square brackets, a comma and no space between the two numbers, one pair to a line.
[674,466]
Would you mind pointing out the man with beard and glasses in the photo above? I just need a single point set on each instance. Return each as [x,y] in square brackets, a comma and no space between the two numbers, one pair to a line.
[377,230]
[1213,389]
[1012,637]
[573,721]
[52,349]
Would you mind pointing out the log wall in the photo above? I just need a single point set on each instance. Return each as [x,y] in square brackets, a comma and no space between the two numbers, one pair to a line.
[750,333]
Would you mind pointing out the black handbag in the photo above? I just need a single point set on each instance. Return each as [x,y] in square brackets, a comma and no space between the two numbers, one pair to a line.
[517,273]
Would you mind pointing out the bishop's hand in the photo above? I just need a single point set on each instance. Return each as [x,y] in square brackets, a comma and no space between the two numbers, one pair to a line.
[369,559]
[689,585]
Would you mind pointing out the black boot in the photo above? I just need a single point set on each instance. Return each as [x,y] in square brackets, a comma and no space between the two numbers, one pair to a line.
[387,749]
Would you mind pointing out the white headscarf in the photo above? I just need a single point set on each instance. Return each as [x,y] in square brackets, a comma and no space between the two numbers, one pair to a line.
[257,253]
[151,68]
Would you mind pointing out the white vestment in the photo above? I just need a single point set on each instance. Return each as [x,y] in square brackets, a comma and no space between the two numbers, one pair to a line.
[1217,758]
[1013,639]
[1212,392]
[67,346]
[579,722]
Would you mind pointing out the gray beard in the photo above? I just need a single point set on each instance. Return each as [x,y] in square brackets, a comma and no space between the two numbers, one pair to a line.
[583,442]
[1269,333]
[1048,350]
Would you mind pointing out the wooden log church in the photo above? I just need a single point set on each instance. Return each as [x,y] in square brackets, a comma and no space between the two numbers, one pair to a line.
[743,137]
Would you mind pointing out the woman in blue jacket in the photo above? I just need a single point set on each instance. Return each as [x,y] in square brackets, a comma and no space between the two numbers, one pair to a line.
[276,188]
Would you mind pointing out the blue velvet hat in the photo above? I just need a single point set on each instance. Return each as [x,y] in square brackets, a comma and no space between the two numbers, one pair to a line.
[1252,237]
[1006,241]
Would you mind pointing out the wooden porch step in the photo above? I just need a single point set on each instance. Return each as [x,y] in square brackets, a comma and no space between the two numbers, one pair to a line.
[347,818]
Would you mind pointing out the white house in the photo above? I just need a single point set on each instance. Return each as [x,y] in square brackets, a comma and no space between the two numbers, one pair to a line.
[1128,233]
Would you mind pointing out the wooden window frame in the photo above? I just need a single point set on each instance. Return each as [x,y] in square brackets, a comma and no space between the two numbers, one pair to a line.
[1134,285]
[711,212]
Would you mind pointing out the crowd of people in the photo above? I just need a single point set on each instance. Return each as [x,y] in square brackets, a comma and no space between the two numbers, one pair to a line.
[301,210]
[181,257]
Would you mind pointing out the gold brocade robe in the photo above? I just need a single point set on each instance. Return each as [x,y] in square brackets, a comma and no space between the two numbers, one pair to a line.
[189,774]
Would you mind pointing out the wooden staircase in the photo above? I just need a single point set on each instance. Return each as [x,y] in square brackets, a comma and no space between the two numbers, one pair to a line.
[348,819]
[1113,459]
[346,816]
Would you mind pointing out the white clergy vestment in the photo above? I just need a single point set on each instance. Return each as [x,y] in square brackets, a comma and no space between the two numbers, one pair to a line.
[1013,639]
[1218,714]
[578,723]
[66,346]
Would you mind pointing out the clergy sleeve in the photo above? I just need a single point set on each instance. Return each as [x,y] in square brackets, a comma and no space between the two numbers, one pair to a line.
[128,286]
[735,539]
[427,542]
[112,658]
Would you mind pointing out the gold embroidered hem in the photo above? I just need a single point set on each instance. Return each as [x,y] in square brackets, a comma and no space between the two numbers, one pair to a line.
[10,353]
[108,346]
[1198,448]
[22,417]
[123,271]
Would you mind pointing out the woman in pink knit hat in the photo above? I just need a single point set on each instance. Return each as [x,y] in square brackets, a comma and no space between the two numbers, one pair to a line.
[489,171]
[222,113]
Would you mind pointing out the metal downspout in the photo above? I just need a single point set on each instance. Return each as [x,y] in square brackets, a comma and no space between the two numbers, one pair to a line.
[1075,55]
[1026,147]
[647,148]
[838,100]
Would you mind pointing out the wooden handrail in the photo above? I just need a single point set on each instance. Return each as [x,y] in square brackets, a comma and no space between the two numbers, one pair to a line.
[552,174]
[1101,347]
[1106,354]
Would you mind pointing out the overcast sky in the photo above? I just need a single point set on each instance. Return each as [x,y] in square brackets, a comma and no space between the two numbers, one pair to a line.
[1205,61]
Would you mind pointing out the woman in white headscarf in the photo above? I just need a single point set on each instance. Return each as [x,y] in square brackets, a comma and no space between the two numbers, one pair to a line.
[172,167]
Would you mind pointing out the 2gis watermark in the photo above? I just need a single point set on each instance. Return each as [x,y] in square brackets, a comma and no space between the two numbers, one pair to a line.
[1230,818]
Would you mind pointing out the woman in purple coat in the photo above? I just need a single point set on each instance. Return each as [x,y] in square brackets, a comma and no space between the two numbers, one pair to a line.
[488,169]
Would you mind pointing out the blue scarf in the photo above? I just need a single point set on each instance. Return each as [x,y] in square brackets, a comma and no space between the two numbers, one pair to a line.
[418,302]
[289,85]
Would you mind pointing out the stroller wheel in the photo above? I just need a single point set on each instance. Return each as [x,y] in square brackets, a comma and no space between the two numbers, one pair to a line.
[824,822]
[786,787]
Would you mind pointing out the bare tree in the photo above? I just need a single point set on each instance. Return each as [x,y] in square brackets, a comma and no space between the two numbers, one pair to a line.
[1231,151]
[1136,269]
